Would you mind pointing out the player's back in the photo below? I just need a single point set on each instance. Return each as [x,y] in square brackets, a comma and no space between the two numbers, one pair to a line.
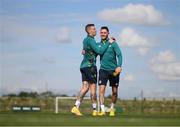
[89,58]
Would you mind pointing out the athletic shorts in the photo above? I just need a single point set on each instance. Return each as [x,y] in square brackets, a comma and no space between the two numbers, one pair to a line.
[89,74]
[105,75]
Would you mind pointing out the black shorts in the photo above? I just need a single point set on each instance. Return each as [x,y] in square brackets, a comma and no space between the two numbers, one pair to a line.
[89,74]
[105,75]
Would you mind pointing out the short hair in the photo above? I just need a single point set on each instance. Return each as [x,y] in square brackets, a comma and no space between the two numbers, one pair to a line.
[105,27]
[87,26]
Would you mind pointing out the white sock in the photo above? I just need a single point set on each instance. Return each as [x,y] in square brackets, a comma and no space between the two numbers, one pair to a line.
[102,108]
[94,106]
[77,104]
[112,105]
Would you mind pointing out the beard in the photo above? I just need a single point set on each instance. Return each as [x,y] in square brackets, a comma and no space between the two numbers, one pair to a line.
[104,37]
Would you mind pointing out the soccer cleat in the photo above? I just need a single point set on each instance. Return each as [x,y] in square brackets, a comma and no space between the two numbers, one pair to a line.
[112,112]
[76,111]
[101,113]
[94,113]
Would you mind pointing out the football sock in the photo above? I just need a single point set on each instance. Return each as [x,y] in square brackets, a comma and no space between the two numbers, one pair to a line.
[94,106]
[77,104]
[112,105]
[102,108]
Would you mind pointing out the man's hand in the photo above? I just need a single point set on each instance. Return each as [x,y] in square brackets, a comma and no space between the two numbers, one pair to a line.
[83,52]
[112,39]
[117,71]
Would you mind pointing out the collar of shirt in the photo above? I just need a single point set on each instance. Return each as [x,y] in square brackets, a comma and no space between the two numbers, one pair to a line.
[90,36]
[104,41]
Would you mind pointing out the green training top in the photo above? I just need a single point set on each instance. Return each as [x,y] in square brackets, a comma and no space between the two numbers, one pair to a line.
[108,60]
[92,49]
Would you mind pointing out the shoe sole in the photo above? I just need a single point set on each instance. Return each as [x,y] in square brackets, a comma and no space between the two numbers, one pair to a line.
[75,113]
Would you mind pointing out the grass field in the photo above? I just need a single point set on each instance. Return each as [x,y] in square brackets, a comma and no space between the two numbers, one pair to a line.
[50,119]
[154,113]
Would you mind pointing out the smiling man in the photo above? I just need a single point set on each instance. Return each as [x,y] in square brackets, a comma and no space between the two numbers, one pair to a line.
[110,69]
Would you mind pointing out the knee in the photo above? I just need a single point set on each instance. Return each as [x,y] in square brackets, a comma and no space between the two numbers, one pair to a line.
[101,91]
[85,87]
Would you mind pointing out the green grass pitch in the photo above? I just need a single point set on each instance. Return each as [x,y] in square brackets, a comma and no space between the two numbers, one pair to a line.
[50,119]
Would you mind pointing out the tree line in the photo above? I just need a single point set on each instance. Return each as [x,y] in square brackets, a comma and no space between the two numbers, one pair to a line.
[33,94]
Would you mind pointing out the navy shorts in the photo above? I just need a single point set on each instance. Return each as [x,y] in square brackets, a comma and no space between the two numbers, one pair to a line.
[105,75]
[89,74]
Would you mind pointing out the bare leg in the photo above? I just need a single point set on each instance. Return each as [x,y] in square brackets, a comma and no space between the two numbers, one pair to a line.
[114,95]
[102,89]
[93,95]
[82,93]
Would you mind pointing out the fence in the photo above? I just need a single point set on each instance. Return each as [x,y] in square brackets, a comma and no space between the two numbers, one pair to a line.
[128,106]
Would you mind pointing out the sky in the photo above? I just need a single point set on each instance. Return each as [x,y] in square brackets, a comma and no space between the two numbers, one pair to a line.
[41,43]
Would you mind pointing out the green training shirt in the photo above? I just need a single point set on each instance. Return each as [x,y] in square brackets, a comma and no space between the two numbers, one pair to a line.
[92,49]
[108,60]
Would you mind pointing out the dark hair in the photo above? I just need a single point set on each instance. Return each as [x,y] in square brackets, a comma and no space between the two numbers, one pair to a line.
[105,27]
[87,26]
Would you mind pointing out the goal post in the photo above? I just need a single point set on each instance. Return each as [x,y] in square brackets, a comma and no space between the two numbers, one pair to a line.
[57,103]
